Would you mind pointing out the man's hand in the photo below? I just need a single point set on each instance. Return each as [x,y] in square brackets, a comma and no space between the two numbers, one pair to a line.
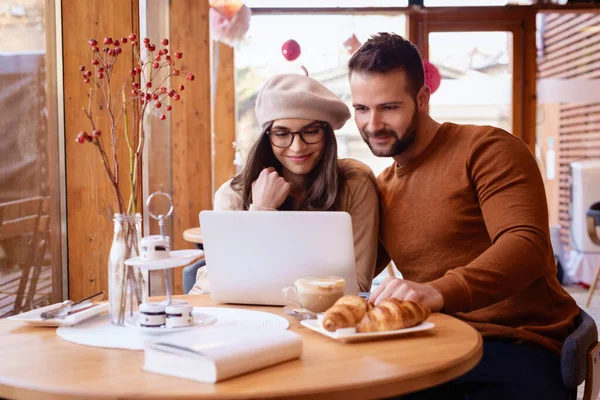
[270,190]
[407,290]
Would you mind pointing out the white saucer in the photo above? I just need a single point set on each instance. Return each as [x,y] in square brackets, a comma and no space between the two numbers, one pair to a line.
[177,258]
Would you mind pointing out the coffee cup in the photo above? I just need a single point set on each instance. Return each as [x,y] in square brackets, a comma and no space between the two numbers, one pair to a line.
[315,293]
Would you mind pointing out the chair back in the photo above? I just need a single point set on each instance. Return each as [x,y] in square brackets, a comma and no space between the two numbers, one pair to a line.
[23,223]
[592,381]
[575,350]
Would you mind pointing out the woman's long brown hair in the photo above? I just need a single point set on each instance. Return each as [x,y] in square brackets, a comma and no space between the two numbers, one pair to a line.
[324,183]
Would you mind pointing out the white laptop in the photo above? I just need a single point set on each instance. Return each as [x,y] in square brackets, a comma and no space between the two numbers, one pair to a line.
[252,256]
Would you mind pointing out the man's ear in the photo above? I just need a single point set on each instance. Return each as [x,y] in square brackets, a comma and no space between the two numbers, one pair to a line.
[423,98]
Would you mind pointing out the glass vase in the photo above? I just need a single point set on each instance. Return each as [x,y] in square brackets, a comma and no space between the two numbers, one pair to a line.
[126,285]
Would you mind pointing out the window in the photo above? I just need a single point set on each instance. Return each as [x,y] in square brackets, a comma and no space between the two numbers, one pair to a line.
[30,248]
[323,53]
[468,61]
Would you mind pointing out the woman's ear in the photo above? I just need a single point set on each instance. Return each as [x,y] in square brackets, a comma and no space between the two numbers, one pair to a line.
[423,98]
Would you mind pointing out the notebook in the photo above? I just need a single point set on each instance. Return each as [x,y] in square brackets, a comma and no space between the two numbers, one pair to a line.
[218,353]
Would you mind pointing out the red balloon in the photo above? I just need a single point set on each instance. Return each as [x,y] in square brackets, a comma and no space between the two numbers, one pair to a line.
[290,50]
[433,78]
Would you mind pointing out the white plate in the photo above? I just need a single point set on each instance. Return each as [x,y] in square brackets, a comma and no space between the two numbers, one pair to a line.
[350,334]
[33,317]
[177,258]
[200,319]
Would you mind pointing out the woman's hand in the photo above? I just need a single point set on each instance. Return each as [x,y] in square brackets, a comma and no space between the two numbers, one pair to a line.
[270,190]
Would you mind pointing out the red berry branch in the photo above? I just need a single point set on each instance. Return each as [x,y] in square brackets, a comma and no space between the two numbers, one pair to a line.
[139,90]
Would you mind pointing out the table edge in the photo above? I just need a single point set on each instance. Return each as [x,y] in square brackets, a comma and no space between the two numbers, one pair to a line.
[386,387]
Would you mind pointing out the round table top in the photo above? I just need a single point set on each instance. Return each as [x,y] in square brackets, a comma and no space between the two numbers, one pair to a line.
[37,364]
[193,235]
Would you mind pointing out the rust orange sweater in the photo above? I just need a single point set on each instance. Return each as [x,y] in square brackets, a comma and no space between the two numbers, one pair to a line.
[469,216]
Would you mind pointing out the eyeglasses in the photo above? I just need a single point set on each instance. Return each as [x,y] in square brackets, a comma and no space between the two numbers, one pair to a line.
[310,134]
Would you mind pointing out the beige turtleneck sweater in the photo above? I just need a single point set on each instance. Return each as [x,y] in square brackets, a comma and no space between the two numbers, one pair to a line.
[359,198]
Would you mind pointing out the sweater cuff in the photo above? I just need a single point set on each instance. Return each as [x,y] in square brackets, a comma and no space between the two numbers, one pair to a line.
[259,208]
[455,293]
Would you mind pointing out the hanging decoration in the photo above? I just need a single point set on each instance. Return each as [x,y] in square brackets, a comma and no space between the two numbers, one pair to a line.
[229,21]
[352,44]
[290,50]
[433,78]
[227,8]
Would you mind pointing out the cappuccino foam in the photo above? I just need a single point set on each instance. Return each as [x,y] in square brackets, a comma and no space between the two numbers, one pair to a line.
[320,284]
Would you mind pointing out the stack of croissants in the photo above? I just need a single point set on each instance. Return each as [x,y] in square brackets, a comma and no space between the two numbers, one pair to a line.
[390,314]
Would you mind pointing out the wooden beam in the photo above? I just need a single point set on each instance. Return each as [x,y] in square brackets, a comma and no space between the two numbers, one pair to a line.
[414,32]
[157,174]
[191,138]
[90,197]
[55,172]
[224,114]
[516,56]
[479,11]
[529,63]
[479,15]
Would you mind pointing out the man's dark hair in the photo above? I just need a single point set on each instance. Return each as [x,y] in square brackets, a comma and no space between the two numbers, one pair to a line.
[385,52]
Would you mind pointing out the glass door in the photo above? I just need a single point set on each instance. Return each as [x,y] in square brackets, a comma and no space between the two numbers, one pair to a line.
[486,60]
[476,78]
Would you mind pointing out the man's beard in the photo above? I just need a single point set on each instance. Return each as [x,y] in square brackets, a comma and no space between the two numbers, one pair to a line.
[400,144]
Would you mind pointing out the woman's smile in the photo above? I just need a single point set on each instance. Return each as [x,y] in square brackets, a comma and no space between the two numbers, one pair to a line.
[299,158]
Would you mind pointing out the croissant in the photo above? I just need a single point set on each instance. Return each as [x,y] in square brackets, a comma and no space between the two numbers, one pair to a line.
[345,313]
[392,314]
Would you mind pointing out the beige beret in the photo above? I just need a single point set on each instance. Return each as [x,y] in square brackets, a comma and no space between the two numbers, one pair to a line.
[299,96]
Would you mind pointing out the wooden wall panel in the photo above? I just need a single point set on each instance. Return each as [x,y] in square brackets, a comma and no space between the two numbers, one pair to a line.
[224,115]
[90,197]
[191,139]
[571,51]
[548,128]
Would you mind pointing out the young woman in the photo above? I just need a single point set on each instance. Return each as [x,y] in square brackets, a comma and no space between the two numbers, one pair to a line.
[294,166]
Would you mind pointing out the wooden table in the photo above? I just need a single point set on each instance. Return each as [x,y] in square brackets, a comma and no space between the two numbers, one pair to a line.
[36,364]
[193,235]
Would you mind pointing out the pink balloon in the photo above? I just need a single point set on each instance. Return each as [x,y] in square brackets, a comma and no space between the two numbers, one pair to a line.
[290,50]
[230,31]
[433,78]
